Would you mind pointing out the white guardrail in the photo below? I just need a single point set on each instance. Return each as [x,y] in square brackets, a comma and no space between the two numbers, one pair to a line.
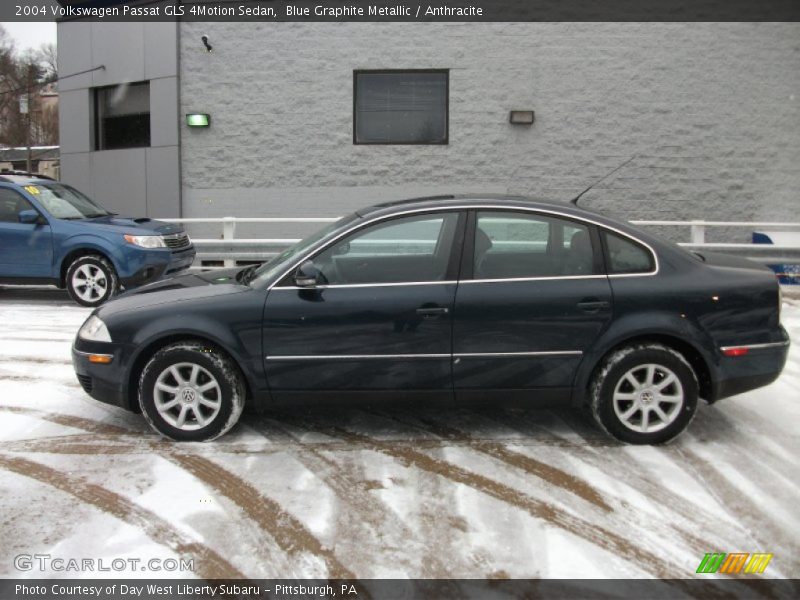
[229,249]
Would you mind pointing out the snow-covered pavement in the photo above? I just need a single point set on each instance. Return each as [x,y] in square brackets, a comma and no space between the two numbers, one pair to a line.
[392,493]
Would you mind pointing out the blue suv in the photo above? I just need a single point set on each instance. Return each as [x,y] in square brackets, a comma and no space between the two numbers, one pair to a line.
[50,233]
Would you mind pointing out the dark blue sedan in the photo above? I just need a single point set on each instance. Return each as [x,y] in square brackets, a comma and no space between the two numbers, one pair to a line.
[448,300]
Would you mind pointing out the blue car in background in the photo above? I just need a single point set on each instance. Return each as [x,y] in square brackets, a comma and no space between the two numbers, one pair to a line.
[50,233]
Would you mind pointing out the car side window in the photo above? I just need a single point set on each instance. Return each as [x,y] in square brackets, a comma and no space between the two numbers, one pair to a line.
[511,245]
[405,250]
[11,203]
[626,256]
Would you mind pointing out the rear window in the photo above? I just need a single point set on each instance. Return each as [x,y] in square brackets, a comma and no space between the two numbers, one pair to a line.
[626,256]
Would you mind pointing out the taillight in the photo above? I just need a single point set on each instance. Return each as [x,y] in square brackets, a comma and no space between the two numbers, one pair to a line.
[736,351]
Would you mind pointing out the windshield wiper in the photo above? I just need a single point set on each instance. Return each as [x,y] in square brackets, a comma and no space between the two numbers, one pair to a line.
[95,215]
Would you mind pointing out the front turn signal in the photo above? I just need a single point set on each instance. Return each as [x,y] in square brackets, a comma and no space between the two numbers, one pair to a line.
[101,359]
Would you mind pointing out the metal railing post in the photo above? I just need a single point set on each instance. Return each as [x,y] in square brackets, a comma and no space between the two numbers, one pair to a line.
[698,232]
[229,233]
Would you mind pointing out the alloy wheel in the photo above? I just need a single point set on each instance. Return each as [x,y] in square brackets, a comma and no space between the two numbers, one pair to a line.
[187,396]
[648,398]
[89,282]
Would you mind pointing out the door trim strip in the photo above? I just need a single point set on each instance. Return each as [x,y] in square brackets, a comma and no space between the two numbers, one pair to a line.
[354,356]
[757,346]
[282,357]
[502,354]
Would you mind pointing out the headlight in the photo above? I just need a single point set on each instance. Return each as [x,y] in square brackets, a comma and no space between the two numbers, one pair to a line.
[146,241]
[94,330]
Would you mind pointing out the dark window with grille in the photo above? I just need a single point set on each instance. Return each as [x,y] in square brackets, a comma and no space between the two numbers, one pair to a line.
[122,116]
[400,107]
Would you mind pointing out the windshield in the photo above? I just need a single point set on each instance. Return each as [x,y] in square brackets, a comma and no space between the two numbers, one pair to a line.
[281,261]
[64,202]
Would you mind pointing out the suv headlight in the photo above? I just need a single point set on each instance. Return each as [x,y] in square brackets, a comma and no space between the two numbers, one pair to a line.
[146,241]
[94,330]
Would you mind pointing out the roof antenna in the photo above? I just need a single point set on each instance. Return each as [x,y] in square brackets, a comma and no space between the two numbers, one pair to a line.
[609,174]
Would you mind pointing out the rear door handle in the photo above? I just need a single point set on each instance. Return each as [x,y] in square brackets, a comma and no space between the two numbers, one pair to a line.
[432,313]
[593,305]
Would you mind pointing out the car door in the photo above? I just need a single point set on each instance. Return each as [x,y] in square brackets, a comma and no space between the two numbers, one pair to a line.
[532,298]
[26,249]
[379,322]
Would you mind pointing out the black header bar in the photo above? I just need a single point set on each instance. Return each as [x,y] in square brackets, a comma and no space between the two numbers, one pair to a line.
[403,10]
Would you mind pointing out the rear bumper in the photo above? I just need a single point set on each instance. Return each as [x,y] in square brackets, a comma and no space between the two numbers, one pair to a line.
[761,366]
[103,382]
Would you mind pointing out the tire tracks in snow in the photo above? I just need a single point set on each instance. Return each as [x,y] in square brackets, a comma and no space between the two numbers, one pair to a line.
[739,505]
[637,479]
[552,475]
[210,564]
[581,528]
[287,531]
[365,509]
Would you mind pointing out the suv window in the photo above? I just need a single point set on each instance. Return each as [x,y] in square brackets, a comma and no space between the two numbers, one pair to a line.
[626,256]
[510,245]
[11,203]
[404,250]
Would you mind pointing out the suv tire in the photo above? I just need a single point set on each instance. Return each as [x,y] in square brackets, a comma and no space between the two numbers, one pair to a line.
[91,280]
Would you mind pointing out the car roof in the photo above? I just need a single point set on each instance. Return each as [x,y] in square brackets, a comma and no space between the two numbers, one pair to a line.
[468,200]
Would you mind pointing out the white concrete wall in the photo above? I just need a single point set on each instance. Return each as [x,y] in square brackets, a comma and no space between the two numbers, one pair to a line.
[131,181]
[713,110]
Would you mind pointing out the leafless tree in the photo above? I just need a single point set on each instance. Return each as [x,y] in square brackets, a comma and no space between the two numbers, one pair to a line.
[23,77]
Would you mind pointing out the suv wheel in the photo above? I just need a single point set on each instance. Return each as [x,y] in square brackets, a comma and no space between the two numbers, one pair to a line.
[644,394]
[91,280]
[191,392]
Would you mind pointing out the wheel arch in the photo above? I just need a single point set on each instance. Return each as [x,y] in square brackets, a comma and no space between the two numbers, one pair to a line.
[147,351]
[696,358]
[77,252]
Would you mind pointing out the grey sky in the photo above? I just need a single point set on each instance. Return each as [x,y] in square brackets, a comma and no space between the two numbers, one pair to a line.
[31,35]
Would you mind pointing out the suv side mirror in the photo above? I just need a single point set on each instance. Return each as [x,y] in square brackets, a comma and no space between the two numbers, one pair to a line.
[307,275]
[28,216]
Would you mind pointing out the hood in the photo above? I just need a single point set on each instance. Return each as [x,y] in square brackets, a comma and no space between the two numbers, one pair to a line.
[177,289]
[129,224]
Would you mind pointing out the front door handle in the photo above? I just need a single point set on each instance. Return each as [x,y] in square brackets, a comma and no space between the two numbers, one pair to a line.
[432,312]
[593,305]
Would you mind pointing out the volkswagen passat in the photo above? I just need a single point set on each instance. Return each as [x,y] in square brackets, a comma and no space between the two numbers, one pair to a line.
[446,300]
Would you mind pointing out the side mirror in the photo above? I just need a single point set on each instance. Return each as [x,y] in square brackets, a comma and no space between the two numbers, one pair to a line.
[28,216]
[307,275]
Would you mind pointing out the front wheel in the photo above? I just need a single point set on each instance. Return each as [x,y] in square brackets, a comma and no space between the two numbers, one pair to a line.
[91,280]
[191,392]
[644,394]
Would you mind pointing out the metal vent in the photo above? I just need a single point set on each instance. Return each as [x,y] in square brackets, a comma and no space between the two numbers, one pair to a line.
[86,383]
[176,241]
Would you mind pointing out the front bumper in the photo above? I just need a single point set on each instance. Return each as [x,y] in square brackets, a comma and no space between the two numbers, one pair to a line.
[145,266]
[761,366]
[104,382]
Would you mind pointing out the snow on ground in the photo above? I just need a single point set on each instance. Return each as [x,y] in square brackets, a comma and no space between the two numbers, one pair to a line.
[389,493]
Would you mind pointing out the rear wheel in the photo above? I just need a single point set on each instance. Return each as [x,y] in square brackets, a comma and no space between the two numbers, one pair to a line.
[644,394]
[91,280]
[189,391]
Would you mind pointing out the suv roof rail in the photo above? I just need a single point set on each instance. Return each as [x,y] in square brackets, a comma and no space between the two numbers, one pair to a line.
[24,174]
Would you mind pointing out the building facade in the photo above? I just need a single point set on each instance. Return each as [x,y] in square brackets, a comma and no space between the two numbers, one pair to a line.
[303,116]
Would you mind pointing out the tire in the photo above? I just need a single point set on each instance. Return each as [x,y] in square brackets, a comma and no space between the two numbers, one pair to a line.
[197,381]
[91,280]
[655,410]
